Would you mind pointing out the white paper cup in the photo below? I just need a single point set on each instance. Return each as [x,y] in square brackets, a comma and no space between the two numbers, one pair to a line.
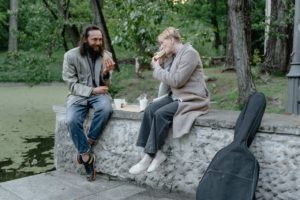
[118,103]
[143,104]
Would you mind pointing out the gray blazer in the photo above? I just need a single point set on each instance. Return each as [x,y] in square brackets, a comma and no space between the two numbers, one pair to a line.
[78,76]
[186,79]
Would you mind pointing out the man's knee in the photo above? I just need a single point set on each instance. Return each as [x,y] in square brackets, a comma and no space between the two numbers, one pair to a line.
[104,110]
[72,120]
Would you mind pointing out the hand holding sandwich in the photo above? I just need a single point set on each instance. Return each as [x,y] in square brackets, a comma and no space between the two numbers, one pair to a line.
[158,58]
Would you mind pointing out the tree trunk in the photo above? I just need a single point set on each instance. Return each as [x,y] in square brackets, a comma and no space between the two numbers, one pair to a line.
[267,21]
[13,27]
[71,30]
[63,35]
[278,47]
[229,65]
[241,58]
[247,27]
[214,22]
[97,6]
[74,34]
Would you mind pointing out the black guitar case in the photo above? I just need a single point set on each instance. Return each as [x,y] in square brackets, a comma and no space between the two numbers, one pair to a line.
[233,172]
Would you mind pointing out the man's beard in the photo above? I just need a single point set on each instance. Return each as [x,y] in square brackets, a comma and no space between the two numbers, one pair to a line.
[92,52]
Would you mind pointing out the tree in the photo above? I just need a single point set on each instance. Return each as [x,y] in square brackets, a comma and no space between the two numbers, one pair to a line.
[267,23]
[4,18]
[138,26]
[229,65]
[214,22]
[240,49]
[279,42]
[97,6]
[247,26]
[13,26]
[69,29]
[62,11]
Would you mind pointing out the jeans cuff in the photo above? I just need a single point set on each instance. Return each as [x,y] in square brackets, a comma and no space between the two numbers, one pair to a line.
[140,144]
[86,152]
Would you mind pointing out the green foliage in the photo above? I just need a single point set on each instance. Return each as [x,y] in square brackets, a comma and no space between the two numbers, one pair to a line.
[276,29]
[138,25]
[258,25]
[40,29]
[30,67]
[131,87]
[39,34]
[80,13]
[114,90]
[4,6]
[256,65]
[33,67]
[200,12]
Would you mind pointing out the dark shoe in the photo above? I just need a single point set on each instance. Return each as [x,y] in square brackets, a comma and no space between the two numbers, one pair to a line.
[91,142]
[90,168]
[78,159]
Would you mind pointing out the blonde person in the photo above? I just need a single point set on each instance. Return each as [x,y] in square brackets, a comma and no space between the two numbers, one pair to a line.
[188,98]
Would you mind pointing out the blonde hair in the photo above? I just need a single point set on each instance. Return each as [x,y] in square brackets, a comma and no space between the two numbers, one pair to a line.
[170,32]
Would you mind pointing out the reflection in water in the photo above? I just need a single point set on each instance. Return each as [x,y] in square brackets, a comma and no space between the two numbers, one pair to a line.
[39,157]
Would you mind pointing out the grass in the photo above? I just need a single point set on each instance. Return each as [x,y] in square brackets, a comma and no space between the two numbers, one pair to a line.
[131,87]
[224,90]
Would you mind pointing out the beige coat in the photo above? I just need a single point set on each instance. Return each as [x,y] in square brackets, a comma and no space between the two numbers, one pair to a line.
[186,80]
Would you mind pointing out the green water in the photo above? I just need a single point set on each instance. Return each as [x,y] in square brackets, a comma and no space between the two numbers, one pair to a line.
[27,125]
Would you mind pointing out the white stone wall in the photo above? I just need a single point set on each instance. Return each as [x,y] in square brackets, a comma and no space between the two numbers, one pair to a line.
[276,146]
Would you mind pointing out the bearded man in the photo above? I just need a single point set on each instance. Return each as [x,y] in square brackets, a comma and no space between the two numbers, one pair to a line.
[87,71]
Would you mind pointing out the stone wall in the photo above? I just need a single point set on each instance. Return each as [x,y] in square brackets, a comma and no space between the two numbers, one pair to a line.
[276,146]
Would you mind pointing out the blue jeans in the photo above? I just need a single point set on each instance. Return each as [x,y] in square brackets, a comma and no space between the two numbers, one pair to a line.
[76,114]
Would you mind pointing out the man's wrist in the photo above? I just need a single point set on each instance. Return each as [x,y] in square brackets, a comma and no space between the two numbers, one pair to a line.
[93,91]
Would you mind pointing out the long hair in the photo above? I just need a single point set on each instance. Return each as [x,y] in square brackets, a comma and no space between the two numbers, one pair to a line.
[83,44]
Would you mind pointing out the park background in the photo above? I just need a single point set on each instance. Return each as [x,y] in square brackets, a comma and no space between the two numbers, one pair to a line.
[35,34]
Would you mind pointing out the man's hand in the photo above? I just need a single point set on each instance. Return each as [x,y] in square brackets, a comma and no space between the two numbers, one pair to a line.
[108,64]
[100,90]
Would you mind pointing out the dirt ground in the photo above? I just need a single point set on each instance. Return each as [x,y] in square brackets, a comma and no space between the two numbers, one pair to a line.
[27,124]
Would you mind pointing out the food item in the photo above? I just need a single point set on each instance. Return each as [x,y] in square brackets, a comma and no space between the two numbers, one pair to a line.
[158,55]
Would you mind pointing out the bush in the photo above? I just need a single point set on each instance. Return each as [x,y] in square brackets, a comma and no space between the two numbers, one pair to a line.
[26,67]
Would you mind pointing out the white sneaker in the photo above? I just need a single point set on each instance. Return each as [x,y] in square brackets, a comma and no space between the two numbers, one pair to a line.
[158,159]
[141,166]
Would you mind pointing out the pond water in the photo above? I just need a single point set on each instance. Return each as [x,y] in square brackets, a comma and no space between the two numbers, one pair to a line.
[27,125]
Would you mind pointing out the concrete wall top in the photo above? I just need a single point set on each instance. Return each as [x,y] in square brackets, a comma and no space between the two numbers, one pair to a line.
[271,123]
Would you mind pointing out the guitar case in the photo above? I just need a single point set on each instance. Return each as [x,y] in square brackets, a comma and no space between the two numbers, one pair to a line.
[233,172]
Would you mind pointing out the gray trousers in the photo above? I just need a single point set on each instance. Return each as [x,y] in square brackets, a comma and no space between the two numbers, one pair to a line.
[157,119]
